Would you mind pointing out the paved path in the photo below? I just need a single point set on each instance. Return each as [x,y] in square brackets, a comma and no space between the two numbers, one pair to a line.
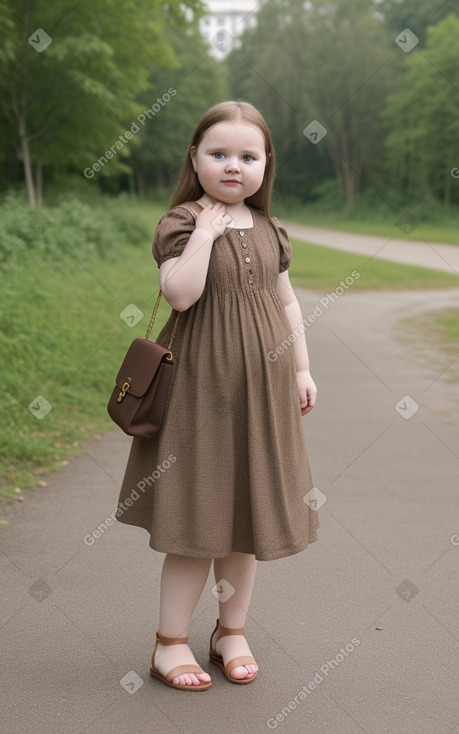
[366,620]
[424,254]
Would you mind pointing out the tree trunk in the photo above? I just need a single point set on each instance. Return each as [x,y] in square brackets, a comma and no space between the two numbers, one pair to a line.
[344,174]
[24,141]
[21,113]
[39,183]
[348,183]
[335,159]
[341,151]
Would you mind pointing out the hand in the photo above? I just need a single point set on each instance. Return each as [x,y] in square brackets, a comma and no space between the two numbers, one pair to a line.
[214,219]
[307,391]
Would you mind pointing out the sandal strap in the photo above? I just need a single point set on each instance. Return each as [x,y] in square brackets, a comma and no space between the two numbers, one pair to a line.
[240,660]
[170,640]
[227,631]
[182,669]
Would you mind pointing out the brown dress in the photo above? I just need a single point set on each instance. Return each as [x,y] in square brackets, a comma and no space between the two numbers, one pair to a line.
[228,470]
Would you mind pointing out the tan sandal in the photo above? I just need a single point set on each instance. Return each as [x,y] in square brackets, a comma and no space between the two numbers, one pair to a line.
[179,669]
[235,662]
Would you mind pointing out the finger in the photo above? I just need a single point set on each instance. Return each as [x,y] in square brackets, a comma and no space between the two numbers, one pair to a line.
[311,400]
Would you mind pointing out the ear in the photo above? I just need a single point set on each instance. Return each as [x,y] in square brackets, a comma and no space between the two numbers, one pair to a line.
[193,151]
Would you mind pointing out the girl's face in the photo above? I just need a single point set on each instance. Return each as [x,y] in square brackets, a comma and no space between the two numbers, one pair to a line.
[230,161]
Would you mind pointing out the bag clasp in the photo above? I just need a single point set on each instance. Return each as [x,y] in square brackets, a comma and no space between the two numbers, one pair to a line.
[124,389]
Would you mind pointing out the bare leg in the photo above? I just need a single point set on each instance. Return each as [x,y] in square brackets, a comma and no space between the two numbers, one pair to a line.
[182,581]
[239,570]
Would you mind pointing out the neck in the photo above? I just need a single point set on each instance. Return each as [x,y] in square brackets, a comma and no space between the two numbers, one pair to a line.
[240,206]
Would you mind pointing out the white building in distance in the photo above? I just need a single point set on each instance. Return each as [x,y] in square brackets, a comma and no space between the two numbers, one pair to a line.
[225,21]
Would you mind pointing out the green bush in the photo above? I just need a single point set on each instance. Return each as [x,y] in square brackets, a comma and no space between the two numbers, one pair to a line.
[65,283]
[74,226]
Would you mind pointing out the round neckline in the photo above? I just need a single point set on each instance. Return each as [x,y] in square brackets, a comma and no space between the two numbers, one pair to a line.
[238,229]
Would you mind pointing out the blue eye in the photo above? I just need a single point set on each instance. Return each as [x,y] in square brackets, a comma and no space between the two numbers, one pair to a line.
[250,157]
[218,154]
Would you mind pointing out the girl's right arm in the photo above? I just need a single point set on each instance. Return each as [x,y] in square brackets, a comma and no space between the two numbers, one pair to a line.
[182,279]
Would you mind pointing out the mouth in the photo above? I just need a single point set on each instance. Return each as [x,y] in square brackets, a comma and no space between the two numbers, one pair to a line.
[231,180]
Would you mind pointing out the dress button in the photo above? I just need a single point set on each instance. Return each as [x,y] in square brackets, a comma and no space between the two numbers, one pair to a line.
[244,245]
[247,259]
[250,280]
[241,233]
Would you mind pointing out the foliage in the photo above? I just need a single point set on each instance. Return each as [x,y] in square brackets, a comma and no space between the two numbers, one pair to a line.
[200,82]
[73,226]
[390,116]
[417,15]
[343,90]
[62,335]
[421,141]
[67,102]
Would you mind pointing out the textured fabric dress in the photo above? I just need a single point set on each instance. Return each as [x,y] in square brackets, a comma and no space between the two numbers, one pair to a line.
[228,470]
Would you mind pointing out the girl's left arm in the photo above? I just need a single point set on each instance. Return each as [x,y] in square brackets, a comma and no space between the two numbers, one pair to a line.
[306,386]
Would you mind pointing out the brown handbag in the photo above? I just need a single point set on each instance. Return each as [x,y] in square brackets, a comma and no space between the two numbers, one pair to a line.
[138,401]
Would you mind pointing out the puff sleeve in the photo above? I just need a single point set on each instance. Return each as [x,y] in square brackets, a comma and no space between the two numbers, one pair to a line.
[172,233]
[285,248]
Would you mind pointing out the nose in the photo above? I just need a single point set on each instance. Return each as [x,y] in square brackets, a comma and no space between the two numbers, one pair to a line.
[232,163]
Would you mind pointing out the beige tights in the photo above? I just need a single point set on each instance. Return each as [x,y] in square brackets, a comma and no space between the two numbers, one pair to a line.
[182,581]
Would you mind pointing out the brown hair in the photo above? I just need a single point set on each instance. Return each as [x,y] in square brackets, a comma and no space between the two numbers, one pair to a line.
[189,188]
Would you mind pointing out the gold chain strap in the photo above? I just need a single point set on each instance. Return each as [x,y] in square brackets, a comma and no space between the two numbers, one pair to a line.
[152,320]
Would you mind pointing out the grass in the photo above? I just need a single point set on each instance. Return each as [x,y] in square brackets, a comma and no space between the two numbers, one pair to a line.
[381,226]
[428,232]
[448,323]
[63,337]
[322,268]
[440,333]
[65,343]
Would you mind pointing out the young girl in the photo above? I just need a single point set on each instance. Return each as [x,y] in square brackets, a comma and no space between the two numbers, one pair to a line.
[226,478]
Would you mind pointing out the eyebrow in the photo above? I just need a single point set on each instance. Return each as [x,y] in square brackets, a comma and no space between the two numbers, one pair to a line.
[223,149]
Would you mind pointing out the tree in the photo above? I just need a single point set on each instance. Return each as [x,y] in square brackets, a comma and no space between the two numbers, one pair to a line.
[273,88]
[417,15]
[333,66]
[422,117]
[199,82]
[70,77]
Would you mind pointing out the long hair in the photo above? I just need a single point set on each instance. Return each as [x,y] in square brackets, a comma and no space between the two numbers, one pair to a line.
[188,186]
